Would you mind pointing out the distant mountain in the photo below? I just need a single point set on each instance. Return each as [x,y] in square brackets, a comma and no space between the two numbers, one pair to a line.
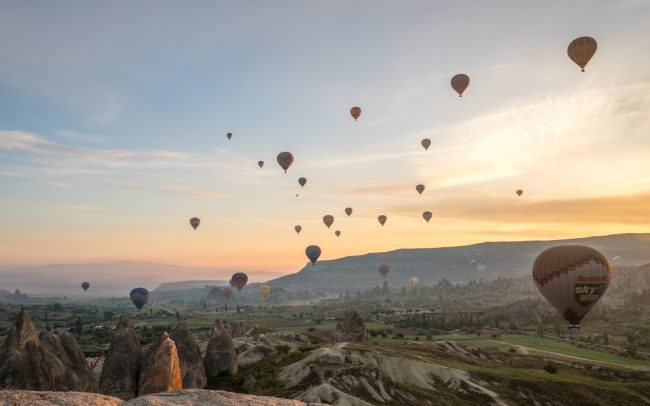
[487,260]
[182,285]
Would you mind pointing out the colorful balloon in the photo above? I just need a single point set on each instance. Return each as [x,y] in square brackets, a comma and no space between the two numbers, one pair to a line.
[382,219]
[194,222]
[302,182]
[139,297]
[328,220]
[426,143]
[355,112]
[85,286]
[520,192]
[285,159]
[240,280]
[420,188]
[383,270]
[298,229]
[413,281]
[313,253]
[572,278]
[459,83]
[427,216]
[260,163]
[338,233]
[581,50]
[227,292]
[229,135]
[265,290]
[348,211]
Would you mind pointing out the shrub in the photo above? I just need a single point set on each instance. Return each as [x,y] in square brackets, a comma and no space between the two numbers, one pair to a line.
[282,349]
[550,368]
[512,350]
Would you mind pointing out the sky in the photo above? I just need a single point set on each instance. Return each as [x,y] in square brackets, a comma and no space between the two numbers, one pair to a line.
[113,122]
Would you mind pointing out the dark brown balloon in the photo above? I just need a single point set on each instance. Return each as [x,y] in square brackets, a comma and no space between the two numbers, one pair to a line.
[285,159]
[229,135]
[382,219]
[348,211]
[427,215]
[355,112]
[581,50]
[459,83]
[260,163]
[426,143]
[419,188]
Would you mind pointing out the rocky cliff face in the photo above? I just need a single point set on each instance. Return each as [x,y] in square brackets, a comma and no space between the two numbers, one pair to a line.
[120,371]
[189,356]
[220,356]
[351,328]
[160,370]
[43,362]
[192,397]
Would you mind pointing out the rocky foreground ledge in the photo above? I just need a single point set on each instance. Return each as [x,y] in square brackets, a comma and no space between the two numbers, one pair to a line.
[188,397]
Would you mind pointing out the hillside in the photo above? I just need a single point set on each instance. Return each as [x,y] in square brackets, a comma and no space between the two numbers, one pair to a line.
[430,265]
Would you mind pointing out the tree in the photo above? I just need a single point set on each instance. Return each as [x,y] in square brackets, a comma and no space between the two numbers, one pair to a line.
[238,309]
[79,327]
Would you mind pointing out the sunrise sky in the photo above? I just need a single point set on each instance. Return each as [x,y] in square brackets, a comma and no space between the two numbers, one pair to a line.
[113,122]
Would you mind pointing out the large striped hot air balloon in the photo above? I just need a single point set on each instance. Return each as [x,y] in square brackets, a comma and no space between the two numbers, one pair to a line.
[240,280]
[139,297]
[581,50]
[572,278]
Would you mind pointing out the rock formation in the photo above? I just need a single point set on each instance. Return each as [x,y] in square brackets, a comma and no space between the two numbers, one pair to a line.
[238,330]
[220,356]
[249,383]
[351,328]
[189,356]
[120,371]
[42,362]
[160,370]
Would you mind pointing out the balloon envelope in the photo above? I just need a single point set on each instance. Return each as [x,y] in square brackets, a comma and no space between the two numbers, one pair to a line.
[240,280]
[328,220]
[229,135]
[285,159]
[413,281]
[260,163]
[420,188]
[302,181]
[348,211]
[298,229]
[426,143]
[265,290]
[581,50]
[481,268]
[194,222]
[355,112]
[427,216]
[337,232]
[313,252]
[459,83]
[383,270]
[572,278]
[139,297]
[85,285]
[520,192]
[382,219]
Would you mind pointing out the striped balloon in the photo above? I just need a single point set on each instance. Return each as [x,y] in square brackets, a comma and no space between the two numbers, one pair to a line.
[139,297]
[572,278]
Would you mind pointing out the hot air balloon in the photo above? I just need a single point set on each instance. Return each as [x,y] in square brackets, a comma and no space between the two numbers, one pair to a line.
[194,222]
[420,188]
[260,163]
[520,192]
[459,83]
[572,278]
[383,270]
[427,216]
[348,211]
[227,292]
[302,182]
[413,281]
[298,229]
[85,286]
[616,258]
[355,112]
[285,159]
[481,268]
[426,143]
[240,280]
[581,50]
[382,219]
[229,135]
[265,290]
[328,220]
[313,252]
[231,283]
[139,297]
[473,262]
[338,233]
